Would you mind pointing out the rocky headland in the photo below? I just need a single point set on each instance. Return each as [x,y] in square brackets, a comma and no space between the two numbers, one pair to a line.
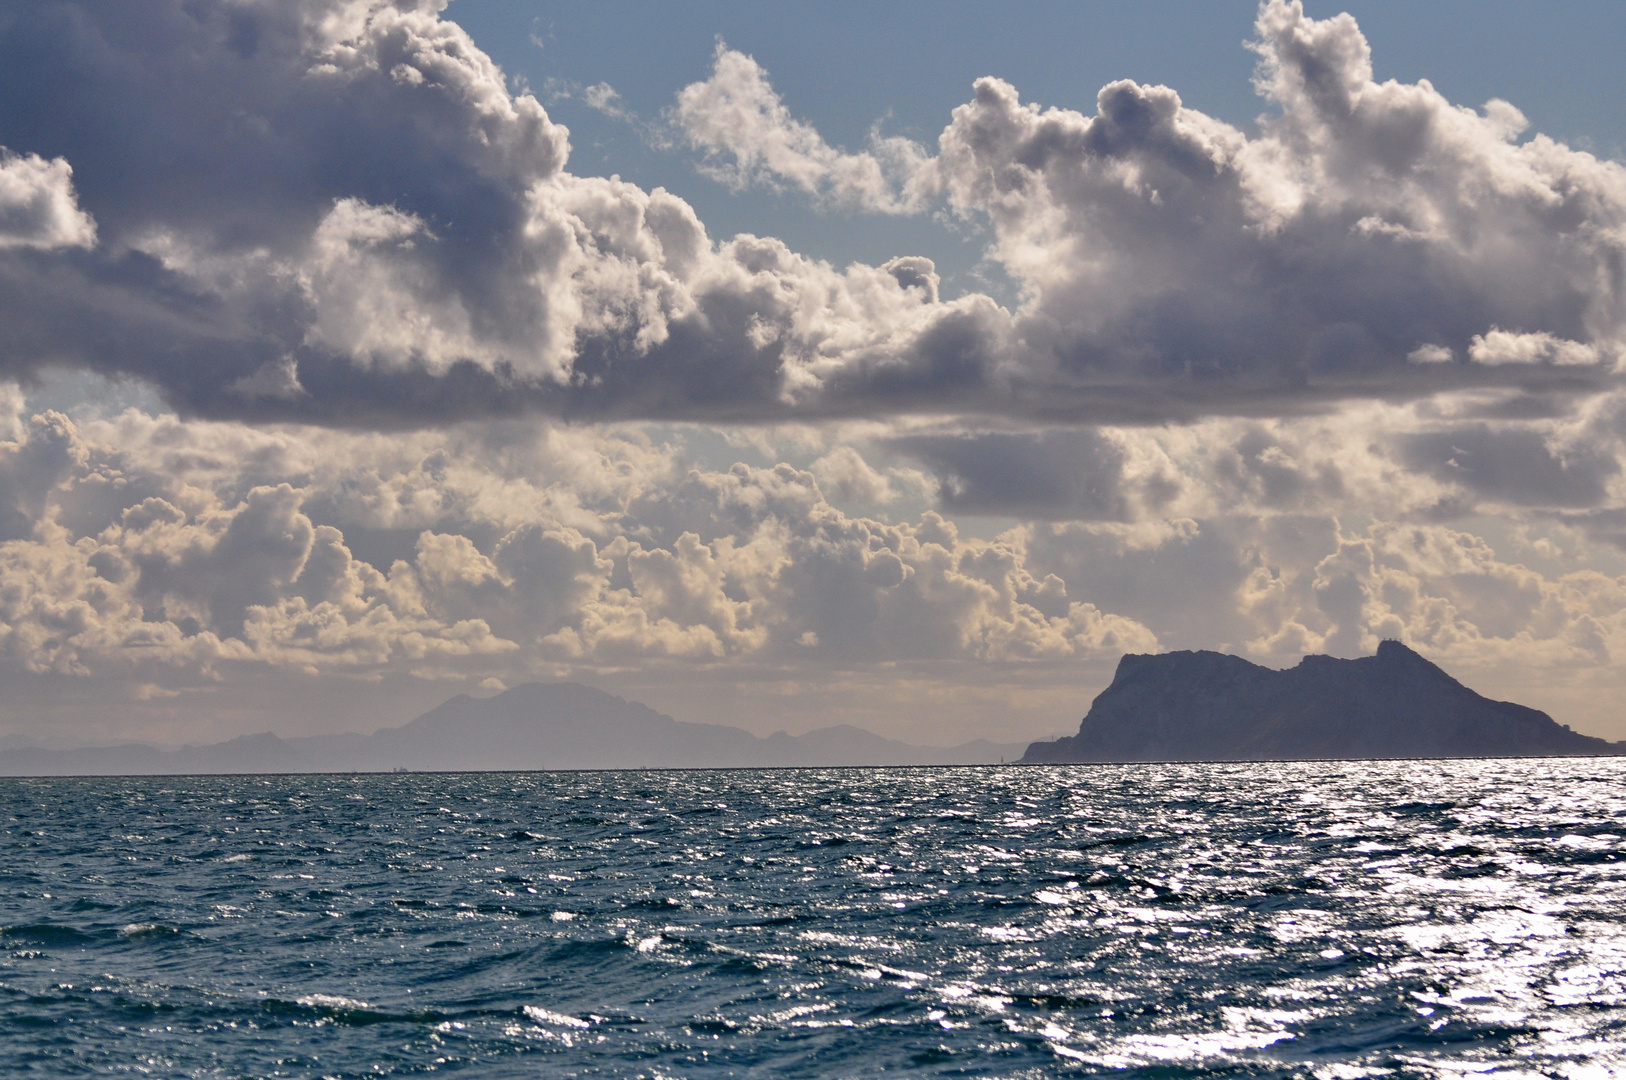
[1208,706]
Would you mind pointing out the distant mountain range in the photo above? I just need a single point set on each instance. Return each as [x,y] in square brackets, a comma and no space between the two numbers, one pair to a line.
[1181,706]
[535,726]
[1207,706]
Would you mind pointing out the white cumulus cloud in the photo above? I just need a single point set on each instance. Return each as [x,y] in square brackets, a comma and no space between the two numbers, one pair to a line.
[38,206]
[751,137]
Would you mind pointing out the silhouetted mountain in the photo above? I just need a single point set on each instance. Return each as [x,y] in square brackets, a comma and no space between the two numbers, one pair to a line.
[535,726]
[1207,706]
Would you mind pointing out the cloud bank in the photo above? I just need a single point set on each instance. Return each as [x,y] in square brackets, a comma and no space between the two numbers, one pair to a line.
[166,555]
[146,546]
[351,219]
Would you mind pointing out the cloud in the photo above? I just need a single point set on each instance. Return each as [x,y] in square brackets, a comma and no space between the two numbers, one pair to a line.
[750,137]
[605,99]
[352,201]
[845,474]
[1277,588]
[1448,592]
[1513,465]
[1340,466]
[38,207]
[1365,223]
[1073,474]
[145,546]
[277,380]
[1390,460]
[1498,346]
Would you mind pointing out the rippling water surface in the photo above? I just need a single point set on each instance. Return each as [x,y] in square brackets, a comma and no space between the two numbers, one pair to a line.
[1327,919]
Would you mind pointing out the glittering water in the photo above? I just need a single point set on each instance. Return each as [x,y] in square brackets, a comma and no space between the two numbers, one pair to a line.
[1328,919]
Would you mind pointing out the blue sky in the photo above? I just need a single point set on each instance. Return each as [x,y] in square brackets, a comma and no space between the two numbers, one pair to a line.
[813,376]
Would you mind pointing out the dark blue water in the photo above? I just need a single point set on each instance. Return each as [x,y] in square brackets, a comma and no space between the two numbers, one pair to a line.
[1334,920]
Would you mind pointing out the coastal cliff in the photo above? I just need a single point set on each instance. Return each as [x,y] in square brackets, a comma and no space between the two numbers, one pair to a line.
[1207,706]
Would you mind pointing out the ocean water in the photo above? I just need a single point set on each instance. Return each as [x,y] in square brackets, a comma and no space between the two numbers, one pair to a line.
[1333,920]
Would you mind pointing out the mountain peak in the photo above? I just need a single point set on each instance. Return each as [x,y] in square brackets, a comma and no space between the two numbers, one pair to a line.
[1393,649]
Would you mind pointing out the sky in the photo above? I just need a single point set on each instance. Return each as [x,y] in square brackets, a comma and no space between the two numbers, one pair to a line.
[797,365]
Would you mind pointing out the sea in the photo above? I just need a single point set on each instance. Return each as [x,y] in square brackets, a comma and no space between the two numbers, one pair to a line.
[1332,919]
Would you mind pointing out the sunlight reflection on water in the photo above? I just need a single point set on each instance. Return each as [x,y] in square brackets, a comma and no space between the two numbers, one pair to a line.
[1327,919]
